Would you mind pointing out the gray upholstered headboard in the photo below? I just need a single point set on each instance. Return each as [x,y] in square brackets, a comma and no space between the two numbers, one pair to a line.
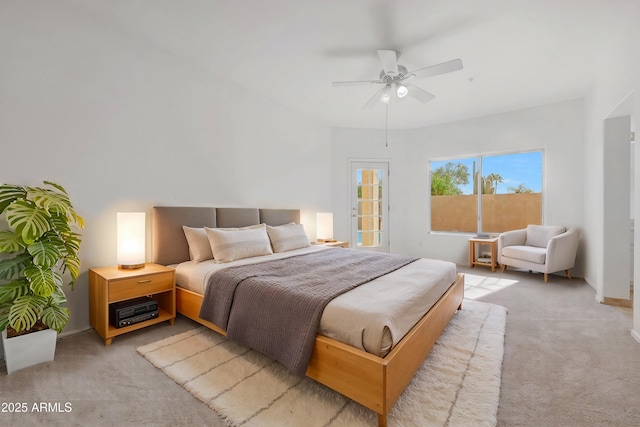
[169,245]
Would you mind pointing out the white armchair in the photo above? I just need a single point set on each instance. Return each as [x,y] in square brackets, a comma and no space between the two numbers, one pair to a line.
[545,249]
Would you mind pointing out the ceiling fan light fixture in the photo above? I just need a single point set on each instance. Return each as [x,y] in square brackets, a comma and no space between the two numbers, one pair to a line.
[393,76]
[401,91]
[386,94]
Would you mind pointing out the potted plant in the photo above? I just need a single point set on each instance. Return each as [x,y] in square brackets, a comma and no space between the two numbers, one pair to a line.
[40,246]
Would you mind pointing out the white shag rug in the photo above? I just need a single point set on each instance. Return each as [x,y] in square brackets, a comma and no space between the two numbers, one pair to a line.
[457,385]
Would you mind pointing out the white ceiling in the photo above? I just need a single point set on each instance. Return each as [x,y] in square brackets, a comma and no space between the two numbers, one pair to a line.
[515,53]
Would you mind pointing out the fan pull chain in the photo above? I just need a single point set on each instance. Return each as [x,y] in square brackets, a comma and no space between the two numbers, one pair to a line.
[386,125]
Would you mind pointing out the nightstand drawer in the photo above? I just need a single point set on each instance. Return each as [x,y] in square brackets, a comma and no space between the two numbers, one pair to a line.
[139,286]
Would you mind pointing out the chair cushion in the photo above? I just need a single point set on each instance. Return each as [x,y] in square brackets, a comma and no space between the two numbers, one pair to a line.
[526,253]
[539,235]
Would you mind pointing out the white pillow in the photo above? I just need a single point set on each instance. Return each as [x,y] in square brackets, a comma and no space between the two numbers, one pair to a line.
[287,237]
[199,247]
[232,244]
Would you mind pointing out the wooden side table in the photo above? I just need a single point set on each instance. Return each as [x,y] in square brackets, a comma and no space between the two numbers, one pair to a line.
[492,261]
[337,243]
[333,243]
[108,285]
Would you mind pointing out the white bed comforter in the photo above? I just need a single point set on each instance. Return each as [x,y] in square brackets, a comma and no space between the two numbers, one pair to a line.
[372,317]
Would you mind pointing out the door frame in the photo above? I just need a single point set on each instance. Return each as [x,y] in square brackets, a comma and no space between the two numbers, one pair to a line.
[355,164]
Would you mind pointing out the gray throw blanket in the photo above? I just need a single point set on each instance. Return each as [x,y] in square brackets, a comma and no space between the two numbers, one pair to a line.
[275,306]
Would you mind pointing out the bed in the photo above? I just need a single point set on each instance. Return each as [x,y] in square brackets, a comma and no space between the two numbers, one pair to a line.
[375,381]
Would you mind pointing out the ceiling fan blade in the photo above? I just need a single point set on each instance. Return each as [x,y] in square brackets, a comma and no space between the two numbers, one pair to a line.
[389,61]
[356,82]
[419,94]
[374,100]
[434,70]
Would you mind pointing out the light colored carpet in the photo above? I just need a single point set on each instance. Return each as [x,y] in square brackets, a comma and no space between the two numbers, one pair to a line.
[457,385]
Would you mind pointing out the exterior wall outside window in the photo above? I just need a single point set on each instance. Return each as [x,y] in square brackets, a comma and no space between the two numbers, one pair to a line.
[502,212]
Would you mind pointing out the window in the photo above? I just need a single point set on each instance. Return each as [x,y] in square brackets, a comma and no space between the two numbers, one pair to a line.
[510,186]
[370,205]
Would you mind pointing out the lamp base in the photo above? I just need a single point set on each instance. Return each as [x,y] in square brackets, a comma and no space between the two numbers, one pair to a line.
[130,266]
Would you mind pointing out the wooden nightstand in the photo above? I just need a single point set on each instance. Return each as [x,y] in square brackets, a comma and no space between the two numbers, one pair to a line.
[108,285]
[492,260]
[336,243]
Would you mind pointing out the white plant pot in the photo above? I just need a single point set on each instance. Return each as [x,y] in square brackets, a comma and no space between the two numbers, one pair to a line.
[30,349]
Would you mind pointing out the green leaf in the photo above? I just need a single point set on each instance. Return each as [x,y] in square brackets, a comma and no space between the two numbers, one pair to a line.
[60,223]
[72,264]
[9,194]
[4,317]
[58,186]
[11,268]
[43,282]
[25,311]
[12,290]
[45,253]
[55,317]
[57,298]
[56,202]
[77,219]
[10,242]
[50,200]
[72,243]
[53,238]
[28,220]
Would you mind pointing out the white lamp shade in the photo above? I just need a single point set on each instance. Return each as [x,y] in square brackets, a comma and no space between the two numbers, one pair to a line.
[385,96]
[131,239]
[402,91]
[324,226]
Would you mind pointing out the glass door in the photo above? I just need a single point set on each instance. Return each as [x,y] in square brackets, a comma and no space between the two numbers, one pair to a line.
[370,206]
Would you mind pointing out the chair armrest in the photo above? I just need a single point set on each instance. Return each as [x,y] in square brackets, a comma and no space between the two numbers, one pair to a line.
[511,238]
[562,249]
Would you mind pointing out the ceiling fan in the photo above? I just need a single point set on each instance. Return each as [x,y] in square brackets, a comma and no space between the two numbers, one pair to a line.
[396,79]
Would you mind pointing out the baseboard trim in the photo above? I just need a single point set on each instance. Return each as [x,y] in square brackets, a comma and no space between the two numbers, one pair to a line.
[635,335]
[66,333]
[618,302]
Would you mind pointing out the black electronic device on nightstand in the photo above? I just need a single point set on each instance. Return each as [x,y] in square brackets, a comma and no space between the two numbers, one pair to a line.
[133,311]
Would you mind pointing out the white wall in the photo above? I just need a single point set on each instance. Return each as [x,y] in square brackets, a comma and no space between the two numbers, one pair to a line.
[617,201]
[124,125]
[617,80]
[557,128]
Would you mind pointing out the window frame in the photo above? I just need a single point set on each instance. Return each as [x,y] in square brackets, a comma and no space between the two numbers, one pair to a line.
[478,157]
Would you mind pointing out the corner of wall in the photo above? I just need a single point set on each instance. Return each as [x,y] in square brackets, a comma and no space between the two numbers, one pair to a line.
[598,296]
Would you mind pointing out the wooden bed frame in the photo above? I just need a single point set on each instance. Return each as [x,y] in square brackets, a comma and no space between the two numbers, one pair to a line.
[372,381]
